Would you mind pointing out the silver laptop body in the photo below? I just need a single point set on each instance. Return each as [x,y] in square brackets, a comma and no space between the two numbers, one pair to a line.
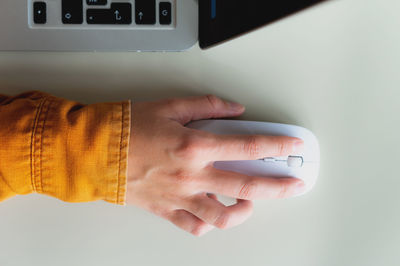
[99,25]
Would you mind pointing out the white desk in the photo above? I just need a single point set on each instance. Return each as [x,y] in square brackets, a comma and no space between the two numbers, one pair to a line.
[333,69]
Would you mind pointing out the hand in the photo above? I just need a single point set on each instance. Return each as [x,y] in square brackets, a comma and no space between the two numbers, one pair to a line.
[170,168]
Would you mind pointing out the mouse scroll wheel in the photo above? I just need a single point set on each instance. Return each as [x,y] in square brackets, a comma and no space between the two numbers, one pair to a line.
[292,161]
[295,161]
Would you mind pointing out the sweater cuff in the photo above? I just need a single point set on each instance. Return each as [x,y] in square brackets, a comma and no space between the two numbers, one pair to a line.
[80,152]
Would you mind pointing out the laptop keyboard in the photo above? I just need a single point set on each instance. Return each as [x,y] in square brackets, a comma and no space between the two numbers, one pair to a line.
[99,13]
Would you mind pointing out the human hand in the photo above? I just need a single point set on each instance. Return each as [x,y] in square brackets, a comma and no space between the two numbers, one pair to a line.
[170,167]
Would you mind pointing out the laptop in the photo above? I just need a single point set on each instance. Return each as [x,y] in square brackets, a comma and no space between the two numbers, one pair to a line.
[133,25]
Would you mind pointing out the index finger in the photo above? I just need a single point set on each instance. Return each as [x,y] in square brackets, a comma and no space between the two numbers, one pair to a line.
[246,147]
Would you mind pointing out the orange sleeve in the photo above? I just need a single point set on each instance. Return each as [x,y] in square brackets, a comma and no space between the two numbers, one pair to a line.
[64,149]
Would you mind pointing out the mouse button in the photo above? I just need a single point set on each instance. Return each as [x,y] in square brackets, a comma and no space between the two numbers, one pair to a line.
[275,161]
[308,173]
[269,160]
[295,161]
[311,150]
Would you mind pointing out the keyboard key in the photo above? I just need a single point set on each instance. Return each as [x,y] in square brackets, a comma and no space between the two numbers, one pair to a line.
[96,2]
[99,16]
[72,11]
[119,13]
[165,13]
[39,13]
[122,13]
[146,12]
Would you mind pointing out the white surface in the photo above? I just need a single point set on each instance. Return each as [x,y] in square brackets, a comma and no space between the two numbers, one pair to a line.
[307,169]
[334,70]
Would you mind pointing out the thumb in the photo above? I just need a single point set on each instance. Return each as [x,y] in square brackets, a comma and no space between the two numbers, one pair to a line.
[204,107]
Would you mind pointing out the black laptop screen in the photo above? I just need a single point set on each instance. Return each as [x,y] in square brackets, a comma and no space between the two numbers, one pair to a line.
[221,20]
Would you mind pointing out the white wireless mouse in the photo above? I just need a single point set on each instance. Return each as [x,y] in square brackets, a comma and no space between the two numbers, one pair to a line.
[304,165]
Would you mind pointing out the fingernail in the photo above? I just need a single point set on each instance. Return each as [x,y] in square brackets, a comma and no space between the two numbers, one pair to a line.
[298,146]
[235,106]
[300,188]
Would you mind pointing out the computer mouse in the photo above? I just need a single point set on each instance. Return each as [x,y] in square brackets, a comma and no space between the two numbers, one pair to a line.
[304,165]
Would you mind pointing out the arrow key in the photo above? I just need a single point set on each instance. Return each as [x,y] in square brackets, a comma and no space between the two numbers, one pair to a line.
[146,12]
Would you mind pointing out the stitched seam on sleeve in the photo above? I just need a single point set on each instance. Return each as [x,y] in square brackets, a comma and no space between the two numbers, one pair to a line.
[120,152]
[39,179]
[128,139]
[125,124]
[32,152]
[119,155]
[38,140]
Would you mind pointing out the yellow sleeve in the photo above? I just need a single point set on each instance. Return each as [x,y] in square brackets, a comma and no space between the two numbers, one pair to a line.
[64,149]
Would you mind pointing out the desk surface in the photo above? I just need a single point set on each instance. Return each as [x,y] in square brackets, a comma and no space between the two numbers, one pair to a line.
[333,69]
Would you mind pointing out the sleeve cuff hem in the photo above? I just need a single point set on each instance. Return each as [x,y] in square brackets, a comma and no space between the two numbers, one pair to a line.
[120,198]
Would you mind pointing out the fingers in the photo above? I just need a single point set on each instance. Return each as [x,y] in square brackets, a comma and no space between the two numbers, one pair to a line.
[240,186]
[207,147]
[189,223]
[215,213]
[204,212]
[243,147]
[197,108]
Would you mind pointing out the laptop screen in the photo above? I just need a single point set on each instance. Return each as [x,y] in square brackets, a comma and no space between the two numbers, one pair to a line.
[221,20]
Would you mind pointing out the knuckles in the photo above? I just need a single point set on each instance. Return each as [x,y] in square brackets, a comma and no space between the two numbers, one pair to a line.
[248,190]
[182,177]
[284,189]
[252,146]
[190,147]
[223,220]
[214,101]
[282,147]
